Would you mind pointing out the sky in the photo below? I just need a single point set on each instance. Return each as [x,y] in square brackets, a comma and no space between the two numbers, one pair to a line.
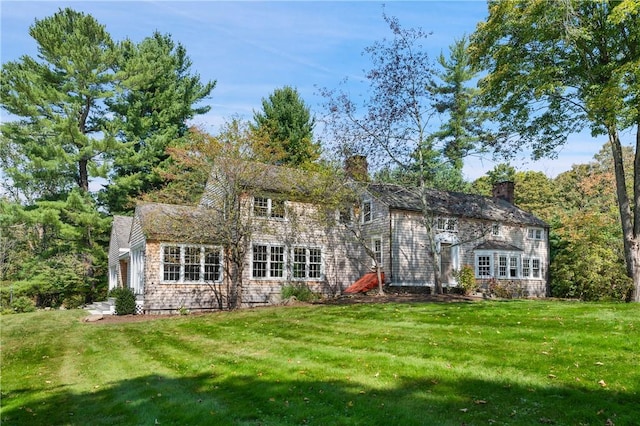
[252,48]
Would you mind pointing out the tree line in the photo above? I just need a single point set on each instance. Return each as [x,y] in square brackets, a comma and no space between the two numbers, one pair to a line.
[89,107]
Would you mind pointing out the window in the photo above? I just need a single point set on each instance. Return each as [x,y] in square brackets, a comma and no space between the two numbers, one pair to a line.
[171,263]
[183,263]
[367,214]
[307,262]
[495,230]
[344,215]
[535,234]
[508,266]
[267,207]
[531,267]
[260,262]
[377,250]
[267,261]
[483,266]
[446,224]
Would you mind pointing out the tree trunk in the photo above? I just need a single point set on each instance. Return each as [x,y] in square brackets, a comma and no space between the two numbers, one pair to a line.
[636,219]
[83,175]
[629,223]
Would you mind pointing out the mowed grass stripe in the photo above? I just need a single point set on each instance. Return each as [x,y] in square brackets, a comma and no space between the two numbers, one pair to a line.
[511,363]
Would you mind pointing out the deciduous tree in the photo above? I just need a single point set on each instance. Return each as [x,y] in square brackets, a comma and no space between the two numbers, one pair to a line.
[557,67]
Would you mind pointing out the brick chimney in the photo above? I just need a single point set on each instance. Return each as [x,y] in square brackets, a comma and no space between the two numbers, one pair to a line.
[357,168]
[504,190]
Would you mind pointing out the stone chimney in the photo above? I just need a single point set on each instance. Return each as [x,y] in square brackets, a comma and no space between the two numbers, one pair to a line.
[357,168]
[504,190]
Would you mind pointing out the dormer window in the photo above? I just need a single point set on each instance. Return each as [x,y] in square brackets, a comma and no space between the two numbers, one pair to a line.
[445,224]
[268,207]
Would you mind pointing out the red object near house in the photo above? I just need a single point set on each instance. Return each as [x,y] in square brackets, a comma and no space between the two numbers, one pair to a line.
[367,282]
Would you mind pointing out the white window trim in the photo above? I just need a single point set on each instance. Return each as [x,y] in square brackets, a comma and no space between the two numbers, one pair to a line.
[446,224]
[508,256]
[363,218]
[269,209]
[496,230]
[375,239]
[268,276]
[307,248]
[182,247]
[476,266]
[530,276]
[538,234]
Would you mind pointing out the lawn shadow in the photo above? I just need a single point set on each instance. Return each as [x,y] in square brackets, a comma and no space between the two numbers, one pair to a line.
[257,400]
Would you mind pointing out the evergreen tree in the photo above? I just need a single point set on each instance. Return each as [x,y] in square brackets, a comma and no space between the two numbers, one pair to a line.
[286,126]
[60,139]
[159,95]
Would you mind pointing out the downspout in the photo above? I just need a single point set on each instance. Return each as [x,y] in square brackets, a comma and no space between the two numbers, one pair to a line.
[390,246]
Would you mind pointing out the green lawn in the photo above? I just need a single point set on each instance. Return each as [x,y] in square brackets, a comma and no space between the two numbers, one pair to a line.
[515,363]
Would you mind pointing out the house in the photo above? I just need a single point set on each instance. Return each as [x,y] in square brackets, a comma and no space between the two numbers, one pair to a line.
[263,227]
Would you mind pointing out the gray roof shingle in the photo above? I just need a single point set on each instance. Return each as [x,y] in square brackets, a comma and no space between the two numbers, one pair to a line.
[456,204]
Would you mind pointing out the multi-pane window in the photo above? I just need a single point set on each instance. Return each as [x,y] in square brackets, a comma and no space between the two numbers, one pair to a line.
[299,262]
[535,268]
[276,257]
[212,264]
[367,214]
[377,250]
[495,229]
[531,267]
[260,261]
[268,261]
[267,207]
[483,266]
[171,263]
[446,224]
[535,234]
[315,263]
[307,262]
[508,266]
[182,263]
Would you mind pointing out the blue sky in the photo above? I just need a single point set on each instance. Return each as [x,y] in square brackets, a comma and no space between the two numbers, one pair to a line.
[253,48]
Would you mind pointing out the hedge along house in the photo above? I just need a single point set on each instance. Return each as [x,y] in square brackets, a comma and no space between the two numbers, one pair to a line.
[501,242]
[260,227]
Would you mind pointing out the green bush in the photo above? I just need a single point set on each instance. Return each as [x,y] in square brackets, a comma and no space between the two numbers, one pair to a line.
[300,291]
[23,304]
[466,278]
[125,301]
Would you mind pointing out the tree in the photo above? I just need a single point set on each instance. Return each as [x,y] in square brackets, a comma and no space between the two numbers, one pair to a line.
[159,95]
[286,125]
[60,138]
[554,68]
[395,128]
[461,132]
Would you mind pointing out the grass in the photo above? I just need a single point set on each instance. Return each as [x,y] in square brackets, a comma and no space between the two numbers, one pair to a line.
[515,363]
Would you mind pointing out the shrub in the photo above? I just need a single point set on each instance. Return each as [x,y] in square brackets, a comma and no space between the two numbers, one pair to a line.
[23,304]
[466,278]
[300,291]
[507,289]
[125,301]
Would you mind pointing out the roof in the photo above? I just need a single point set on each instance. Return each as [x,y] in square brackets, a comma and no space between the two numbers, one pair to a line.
[497,245]
[455,204]
[171,222]
[258,177]
[121,226]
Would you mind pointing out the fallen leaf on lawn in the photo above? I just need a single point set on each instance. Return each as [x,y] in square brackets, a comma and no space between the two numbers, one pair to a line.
[546,421]
[464,410]
[602,383]
[599,363]
[609,422]
[552,376]
[545,353]
[480,401]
